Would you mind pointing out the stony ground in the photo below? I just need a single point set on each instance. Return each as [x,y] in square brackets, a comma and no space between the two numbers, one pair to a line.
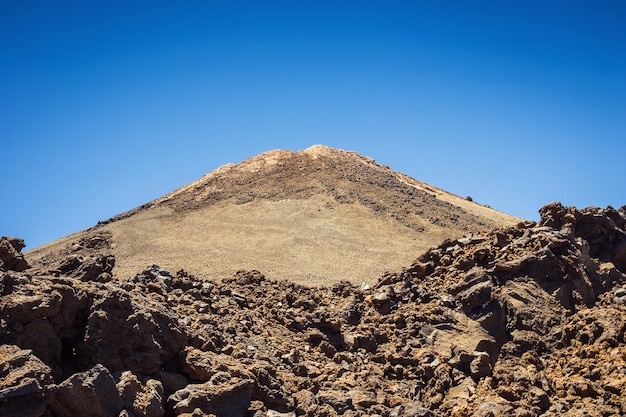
[523,321]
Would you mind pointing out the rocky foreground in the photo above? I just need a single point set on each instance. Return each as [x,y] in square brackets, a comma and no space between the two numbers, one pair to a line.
[523,321]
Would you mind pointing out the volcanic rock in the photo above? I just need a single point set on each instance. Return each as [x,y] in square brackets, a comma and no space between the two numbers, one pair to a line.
[90,393]
[11,258]
[141,398]
[228,399]
[525,320]
[25,383]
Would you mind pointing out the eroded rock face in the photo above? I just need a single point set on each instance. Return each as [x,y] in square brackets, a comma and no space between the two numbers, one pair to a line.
[124,332]
[88,268]
[89,393]
[11,258]
[25,383]
[227,397]
[529,320]
[143,397]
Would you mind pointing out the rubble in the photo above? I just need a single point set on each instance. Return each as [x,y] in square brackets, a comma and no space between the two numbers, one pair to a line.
[525,321]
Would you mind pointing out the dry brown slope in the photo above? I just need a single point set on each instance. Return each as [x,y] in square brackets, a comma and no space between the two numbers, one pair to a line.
[314,216]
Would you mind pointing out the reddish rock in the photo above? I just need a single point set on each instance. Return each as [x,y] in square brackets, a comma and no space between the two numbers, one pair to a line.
[90,393]
[227,399]
[11,258]
[26,383]
[525,321]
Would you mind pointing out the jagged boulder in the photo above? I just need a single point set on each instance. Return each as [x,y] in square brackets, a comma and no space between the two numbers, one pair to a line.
[142,397]
[223,397]
[89,393]
[26,383]
[88,268]
[11,258]
[604,230]
[45,314]
[124,333]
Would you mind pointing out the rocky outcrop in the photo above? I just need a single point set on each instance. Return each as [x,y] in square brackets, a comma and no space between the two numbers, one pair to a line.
[525,321]
[11,258]
[92,268]
[89,393]
[25,383]
[87,259]
[142,397]
[224,398]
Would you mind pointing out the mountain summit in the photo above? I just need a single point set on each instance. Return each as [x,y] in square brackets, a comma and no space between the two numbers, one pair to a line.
[314,216]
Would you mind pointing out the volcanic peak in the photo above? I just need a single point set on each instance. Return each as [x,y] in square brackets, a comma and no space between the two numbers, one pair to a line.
[317,216]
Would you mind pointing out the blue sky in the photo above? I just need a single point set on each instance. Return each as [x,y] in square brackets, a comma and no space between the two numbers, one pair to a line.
[107,105]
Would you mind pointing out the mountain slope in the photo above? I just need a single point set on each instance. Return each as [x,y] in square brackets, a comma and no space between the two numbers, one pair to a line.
[314,216]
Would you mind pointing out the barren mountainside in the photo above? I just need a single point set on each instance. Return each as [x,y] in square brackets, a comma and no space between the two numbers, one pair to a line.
[315,216]
[498,317]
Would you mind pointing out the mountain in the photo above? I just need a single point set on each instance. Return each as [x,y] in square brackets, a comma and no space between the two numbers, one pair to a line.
[315,216]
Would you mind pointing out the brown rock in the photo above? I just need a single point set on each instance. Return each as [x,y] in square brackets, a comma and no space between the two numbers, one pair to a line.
[338,401]
[227,399]
[89,268]
[480,365]
[24,307]
[143,399]
[583,388]
[412,410]
[476,296]
[123,334]
[41,336]
[90,393]
[539,398]
[356,341]
[10,257]
[363,399]
[25,383]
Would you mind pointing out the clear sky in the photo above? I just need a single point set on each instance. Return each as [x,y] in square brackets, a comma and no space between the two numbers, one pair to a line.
[105,105]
